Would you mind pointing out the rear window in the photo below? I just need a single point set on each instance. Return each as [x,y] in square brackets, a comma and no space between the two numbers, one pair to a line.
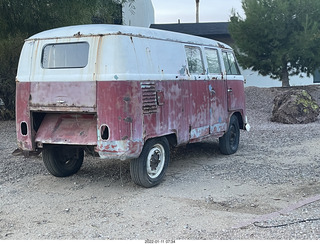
[65,55]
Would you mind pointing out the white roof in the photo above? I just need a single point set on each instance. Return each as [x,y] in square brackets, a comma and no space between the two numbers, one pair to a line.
[104,29]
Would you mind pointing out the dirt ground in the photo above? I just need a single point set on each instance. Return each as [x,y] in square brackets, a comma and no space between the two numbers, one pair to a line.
[268,190]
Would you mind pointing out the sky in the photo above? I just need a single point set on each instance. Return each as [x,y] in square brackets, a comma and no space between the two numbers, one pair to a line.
[169,11]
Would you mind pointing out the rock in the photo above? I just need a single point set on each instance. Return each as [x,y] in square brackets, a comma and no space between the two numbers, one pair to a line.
[1,103]
[295,107]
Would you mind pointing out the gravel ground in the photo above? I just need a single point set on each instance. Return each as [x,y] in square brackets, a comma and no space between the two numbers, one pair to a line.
[268,190]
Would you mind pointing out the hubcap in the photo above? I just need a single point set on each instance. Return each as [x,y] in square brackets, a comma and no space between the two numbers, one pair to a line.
[155,161]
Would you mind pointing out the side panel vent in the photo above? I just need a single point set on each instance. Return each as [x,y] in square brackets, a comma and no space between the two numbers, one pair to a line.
[149,97]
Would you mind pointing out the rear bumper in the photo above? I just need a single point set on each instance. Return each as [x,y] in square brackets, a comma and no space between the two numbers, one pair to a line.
[81,130]
[246,124]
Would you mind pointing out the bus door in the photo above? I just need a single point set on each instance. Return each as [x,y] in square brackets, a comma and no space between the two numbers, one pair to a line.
[217,93]
[199,95]
[235,87]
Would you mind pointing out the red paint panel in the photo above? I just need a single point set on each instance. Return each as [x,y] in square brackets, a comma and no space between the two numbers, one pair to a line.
[186,109]
[25,142]
[120,108]
[73,129]
[131,111]
[200,104]
[172,117]
[218,106]
[63,96]
[236,95]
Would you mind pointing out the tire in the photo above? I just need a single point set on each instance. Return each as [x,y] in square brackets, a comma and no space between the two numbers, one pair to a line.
[62,161]
[229,143]
[149,169]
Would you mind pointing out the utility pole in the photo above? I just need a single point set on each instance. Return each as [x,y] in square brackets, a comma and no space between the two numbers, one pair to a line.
[197,11]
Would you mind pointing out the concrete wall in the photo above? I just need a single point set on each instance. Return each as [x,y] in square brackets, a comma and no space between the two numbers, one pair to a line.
[139,13]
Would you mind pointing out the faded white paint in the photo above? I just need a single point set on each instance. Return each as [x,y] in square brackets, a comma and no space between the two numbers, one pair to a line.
[115,53]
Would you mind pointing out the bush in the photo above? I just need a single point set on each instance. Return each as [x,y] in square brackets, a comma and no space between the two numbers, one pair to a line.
[9,57]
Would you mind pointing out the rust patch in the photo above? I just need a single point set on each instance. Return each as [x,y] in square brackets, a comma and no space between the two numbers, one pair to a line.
[160,98]
[128,119]
[77,34]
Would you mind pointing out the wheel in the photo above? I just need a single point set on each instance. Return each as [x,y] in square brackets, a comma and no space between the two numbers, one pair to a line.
[149,169]
[62,161]
[229,143]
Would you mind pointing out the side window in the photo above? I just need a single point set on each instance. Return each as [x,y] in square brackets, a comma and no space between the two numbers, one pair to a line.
[230,64]
[213,61]
[65,55]
[195,62]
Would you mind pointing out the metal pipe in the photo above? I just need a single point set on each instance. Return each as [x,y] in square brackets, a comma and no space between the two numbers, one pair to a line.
[197,11]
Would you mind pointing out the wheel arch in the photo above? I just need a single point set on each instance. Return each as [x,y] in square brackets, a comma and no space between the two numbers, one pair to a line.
[240,119]
[172,139]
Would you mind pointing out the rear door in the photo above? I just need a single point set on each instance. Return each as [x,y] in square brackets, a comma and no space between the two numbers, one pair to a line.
[62,75]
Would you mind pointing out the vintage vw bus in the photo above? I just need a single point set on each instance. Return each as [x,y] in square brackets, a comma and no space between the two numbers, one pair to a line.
[125,92]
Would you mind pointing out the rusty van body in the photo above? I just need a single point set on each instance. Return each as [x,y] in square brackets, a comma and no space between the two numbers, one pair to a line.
[127,93]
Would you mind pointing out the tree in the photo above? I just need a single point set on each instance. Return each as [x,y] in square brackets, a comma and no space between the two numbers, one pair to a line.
[279,38]
[32,16]
[19,19]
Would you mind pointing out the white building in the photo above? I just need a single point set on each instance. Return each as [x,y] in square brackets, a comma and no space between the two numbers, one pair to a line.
[254,79]
[138,13]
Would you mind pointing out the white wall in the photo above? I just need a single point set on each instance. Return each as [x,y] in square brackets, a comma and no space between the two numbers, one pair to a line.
[254,79]
[140,13]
